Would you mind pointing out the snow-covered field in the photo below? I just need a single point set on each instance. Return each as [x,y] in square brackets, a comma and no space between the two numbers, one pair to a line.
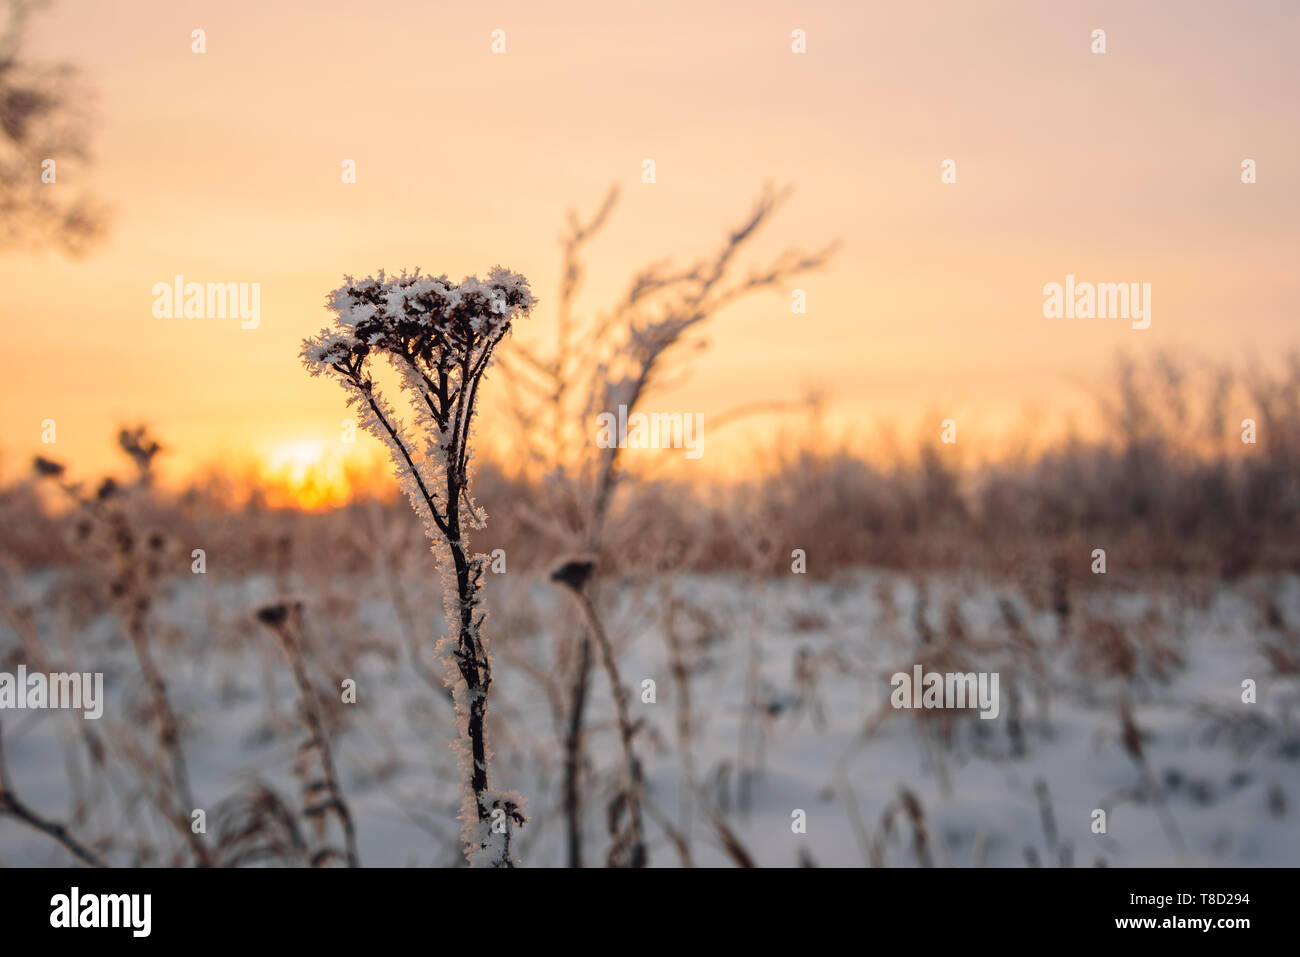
[789,700]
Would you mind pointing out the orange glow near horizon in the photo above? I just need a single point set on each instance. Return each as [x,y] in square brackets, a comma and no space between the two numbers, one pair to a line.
[304,474]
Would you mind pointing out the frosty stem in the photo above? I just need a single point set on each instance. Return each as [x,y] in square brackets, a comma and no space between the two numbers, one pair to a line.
[633,847]
[317,805]
[573,751]
[471,658]
[472,662]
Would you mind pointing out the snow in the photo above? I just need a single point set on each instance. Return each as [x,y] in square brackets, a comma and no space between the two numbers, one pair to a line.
[1228,773]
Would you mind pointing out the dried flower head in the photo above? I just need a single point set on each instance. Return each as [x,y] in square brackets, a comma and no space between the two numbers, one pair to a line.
[277,613]
[47,468]
[416,317]
[140,446]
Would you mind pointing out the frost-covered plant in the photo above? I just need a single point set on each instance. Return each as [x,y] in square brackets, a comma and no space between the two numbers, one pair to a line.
[322,794]
[615,359]
[133,562]
[439,336]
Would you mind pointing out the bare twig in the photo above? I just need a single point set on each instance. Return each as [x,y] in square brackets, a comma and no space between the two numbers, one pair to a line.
[11,805]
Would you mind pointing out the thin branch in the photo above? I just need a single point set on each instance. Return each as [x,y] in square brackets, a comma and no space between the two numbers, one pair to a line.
[10,804]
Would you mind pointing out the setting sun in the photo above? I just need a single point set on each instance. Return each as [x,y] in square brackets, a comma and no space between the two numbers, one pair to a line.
[305,473]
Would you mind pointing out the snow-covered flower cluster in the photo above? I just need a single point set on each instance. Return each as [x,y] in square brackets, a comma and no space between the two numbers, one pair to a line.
[439,336]
[416,316]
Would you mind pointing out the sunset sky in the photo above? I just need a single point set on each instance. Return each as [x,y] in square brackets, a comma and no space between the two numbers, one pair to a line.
[225,167]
